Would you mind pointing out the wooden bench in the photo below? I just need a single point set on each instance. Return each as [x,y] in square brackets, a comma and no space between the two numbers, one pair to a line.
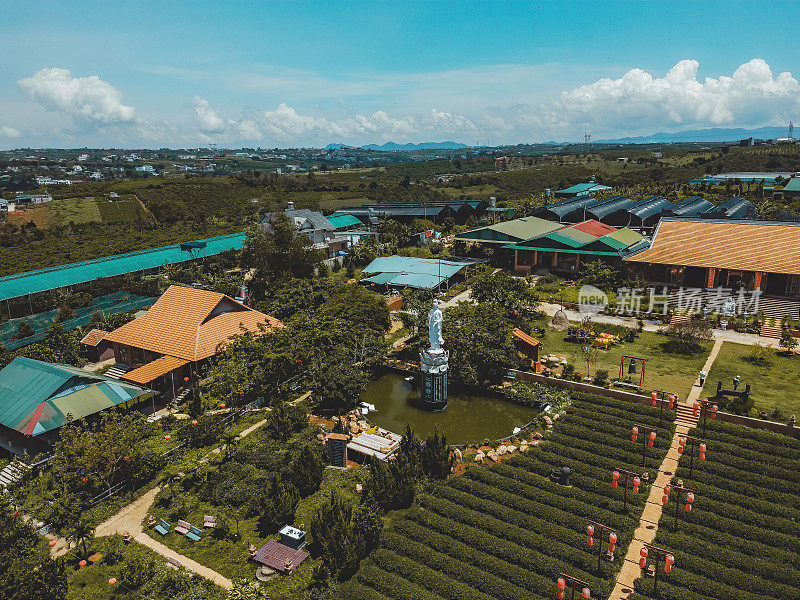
[195,534]
[174,563]
[209,521]
[162,527]
[182,527]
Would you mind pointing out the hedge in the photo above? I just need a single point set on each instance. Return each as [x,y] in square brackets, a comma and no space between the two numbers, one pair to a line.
[392,585]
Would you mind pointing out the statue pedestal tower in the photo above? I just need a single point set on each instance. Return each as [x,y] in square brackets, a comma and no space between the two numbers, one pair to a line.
[434,364]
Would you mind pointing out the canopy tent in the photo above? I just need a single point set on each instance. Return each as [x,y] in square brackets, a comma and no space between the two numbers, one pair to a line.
[407,271]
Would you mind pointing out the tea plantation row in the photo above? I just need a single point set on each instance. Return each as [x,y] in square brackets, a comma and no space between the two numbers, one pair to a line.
[507,531]
[742,538]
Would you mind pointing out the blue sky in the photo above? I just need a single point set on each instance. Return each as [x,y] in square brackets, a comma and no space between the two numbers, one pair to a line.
[308,73]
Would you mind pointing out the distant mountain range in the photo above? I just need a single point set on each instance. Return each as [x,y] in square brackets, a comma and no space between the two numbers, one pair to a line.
[394,147]
[702,135]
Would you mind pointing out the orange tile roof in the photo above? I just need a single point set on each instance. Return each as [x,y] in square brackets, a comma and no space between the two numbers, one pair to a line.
[94,337]
[152,370]
[191,324]
[749,246]
[526,338]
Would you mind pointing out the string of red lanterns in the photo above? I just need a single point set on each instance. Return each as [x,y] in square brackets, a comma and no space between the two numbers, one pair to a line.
[574,584]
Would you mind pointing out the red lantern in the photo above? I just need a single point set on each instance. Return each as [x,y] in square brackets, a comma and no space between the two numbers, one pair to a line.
[635,490]
[671,401]
[702,447]
[653,397]
[643,552]
[667,568]
[642,563]
[667,490]
[590,541]
[690,497]
[634,433]
[636,481]
[16,513]
[126,458]
[85,480]
[586,594]
[186,380]
[714,409]
[688,508]
[614,478]
[589,530]
[695,408]
[670,559]
[561,584]
[51,543]
[702,456]
[168,437]
[560,594]
[82,563]
[612,538]
[682,442]
[680,450]
[652,439]
[665,499]
[194,421]
[112,581]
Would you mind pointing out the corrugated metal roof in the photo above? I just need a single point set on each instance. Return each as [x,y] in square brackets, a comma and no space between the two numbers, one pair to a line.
[766,246]
[611,205]
[410,264]
[650,206]
[511,231]
[733,208]
[793,185]
[37,396]
[340,221]
[562,209]
[690,207]
[583,188]
[31,282]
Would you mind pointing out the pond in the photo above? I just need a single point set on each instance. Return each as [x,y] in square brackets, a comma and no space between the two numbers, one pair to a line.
[466,419]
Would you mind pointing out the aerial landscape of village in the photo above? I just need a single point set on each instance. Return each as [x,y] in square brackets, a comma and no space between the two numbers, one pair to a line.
[399,301]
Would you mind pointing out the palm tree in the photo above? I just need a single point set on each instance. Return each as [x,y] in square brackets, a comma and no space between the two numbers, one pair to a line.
[229,441]
[80,533]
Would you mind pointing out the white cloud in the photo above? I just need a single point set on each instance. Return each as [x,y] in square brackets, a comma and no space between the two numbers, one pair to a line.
[10,132]
[642,102]
[89,99]
[208,119]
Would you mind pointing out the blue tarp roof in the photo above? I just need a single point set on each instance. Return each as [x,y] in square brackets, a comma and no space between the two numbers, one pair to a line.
[31,282]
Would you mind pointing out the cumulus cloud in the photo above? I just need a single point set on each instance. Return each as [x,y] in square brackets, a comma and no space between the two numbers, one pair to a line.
[208,119]
[9,132]
[89,99]
[640,101]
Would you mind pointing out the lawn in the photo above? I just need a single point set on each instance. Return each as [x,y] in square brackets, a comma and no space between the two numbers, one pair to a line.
[506,532]
[773,385]
[671,372]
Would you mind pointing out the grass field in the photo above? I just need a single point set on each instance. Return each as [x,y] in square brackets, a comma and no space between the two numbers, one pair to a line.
[773,385]
[670,372]
[506,532]
[61,212]
[742,538]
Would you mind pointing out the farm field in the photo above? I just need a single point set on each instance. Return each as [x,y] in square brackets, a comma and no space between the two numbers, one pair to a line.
[61,212]
[507,531]
[671,372]
[742,538]
[773,385]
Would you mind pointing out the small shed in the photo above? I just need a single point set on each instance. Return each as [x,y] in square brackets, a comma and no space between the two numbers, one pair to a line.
[381,444]
[293,537]
[528,347]
[98,348]
[336,445]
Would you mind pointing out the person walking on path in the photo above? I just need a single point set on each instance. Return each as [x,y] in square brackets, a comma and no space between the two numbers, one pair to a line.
[736,381]
[703,376]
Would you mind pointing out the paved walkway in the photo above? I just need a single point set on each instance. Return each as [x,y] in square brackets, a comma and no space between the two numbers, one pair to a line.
[648,525]
[130,518]
[203,571]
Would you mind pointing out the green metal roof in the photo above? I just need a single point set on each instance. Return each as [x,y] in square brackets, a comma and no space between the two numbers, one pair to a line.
[582,188]
[563,251]
[340,221]
[381,278]
[793,185]
[36,396]
[511,231]
[31,282]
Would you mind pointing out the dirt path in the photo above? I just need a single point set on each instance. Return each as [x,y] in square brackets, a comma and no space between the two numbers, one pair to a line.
[203,571]
[648,525]
[130,517]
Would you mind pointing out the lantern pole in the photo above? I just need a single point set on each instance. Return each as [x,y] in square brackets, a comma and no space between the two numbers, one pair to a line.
[705,406]
[680,490]
[648,439]
[603,529]
[659,552]
[663,395]
[574,583]
[688,440]
[628,474]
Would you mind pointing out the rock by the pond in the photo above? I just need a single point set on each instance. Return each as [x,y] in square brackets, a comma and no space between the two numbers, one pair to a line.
[493,456]
[479,457]
[501,449]
[523,447]
[538,435]
[359,488]
[547,421]
[457,455]
[511,449]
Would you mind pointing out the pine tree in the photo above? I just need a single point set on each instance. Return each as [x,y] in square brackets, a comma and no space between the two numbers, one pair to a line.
[437,461]
[307,471]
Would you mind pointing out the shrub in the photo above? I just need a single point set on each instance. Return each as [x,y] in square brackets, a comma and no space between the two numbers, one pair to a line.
[600,377]
[758,355]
